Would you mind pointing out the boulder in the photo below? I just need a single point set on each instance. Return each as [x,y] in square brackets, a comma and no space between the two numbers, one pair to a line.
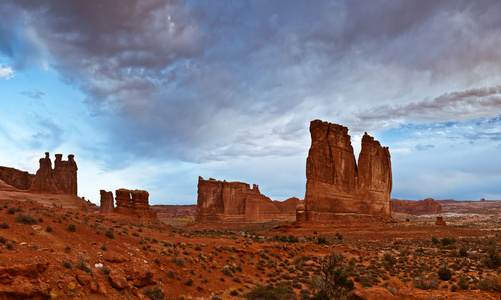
[335,185]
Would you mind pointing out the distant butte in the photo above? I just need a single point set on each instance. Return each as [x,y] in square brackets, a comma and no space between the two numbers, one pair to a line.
[222,201]
[335,185]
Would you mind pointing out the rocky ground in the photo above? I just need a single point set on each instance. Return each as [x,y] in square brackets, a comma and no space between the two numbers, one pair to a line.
[49,252]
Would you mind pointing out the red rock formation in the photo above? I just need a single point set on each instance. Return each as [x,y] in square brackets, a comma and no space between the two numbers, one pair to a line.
[175,211]
[440,221]
[65,175]
[334,184]
[107,205]
[134,203]
[222,201]
[421,207]
[60,180]
[18,179]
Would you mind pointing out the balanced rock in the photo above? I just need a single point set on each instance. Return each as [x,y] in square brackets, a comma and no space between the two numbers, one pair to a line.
[335,185]
[421,207]
[222,201]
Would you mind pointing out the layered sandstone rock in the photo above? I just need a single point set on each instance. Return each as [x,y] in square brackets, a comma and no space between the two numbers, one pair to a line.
[222,201]
[335,185]
[60,180]
[18,179]
[421,207]
[134,203]
[107,205]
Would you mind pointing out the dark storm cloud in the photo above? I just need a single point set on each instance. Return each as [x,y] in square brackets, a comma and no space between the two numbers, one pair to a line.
[206,81]
[454,106]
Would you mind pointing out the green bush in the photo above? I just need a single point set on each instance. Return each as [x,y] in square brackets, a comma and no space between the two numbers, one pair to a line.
[179,261]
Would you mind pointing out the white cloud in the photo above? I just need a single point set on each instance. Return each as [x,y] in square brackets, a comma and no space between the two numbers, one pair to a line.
[6,72]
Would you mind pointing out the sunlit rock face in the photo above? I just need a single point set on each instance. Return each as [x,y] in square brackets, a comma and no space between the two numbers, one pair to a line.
[335,185]
[222,201]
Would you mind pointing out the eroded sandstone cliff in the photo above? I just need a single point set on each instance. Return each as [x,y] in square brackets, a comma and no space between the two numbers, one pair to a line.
[18,179]
[335,185]
[133,203]
[60,180]
[107,204]
[222,201]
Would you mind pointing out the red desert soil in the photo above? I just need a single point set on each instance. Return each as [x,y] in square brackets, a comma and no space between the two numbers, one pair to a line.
[113,256]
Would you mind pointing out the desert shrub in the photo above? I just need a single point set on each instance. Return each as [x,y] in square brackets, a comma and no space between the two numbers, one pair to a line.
[40,220]
[9,246]
[444,273]
[68,264]
[48,229]
[35,246]
[179,261]
[154,293]
[3,240]
[189,282]
[321,240]
[426,283]
[171,274]
[4,225]
[226,271]
[234,293]
[26,219]
[388,261]
[11,211]
[493,259]
[339,236]
[72,227]
[110,233]
[332,282]
[368,280]
[463,283]
[270,293]
[104,247]
[489,283]
[447,241]
[83,263]
[463,252]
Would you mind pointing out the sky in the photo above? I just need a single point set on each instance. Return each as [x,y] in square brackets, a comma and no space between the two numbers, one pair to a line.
[151,94]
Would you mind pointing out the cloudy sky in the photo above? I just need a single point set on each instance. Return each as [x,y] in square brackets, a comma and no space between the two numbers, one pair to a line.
[151,94]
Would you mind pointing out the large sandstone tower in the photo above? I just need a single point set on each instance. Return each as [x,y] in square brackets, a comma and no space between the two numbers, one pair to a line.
[335,186]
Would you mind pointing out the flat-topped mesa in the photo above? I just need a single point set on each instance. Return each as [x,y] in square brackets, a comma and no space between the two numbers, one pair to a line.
[107,205]
[222,201]
[335,186]
[60,180]
[134,203]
